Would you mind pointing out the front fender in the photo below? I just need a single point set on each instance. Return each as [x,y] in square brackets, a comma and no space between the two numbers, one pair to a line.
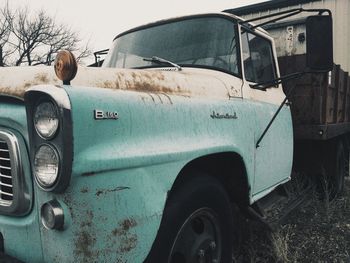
[123,168]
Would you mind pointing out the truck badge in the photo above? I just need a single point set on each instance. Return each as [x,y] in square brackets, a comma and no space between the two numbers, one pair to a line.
[105,115]
[216,115]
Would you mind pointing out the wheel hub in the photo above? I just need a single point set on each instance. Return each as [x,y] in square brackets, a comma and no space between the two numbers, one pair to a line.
[199,239]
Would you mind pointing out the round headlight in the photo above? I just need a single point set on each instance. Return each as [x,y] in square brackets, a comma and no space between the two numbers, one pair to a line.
[46,119]
[46,165]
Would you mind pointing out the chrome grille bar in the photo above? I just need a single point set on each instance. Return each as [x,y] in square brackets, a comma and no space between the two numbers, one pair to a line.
[15,191]
[6,186]
[4,193]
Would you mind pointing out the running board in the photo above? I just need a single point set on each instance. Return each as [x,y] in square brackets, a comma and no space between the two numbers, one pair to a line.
[274,209]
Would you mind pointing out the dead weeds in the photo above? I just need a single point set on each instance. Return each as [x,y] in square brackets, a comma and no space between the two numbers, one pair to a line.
[317,231]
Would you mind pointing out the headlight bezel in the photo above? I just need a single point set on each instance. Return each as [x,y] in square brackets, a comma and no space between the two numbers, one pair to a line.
[62,141]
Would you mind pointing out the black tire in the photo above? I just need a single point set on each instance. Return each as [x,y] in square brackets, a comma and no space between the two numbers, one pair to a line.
[335,166]
[197,225]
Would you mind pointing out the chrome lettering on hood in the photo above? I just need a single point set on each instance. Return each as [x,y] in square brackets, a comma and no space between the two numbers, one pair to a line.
[216,115]
[105,115]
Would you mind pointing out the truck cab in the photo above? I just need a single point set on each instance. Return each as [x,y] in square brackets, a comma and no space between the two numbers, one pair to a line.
[219,43]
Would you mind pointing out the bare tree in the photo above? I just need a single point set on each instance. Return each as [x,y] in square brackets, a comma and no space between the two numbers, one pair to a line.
[36,39]
[6,18]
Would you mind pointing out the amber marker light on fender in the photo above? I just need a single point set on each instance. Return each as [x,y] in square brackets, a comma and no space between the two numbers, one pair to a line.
[66,66]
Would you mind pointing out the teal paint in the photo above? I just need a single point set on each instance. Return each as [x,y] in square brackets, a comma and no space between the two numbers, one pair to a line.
[141,153]
[21,234]
[124,168]
[274,156]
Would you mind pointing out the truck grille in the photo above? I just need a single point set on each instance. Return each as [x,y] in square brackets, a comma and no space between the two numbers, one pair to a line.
[6,186]
[15,195]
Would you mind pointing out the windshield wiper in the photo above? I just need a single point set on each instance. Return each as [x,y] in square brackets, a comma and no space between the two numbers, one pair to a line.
[159,60]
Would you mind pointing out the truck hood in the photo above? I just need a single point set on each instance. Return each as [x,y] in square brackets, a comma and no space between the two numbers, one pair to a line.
[14,81]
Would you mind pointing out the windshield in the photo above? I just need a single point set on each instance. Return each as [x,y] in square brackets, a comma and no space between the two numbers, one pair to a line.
[209,42]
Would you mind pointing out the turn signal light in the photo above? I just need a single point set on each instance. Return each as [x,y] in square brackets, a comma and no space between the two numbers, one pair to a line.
[66,66]
[52,216]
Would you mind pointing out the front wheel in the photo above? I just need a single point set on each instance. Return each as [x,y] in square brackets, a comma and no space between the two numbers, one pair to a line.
[197,225]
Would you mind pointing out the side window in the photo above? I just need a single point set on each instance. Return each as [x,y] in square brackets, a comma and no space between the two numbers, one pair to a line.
[258,60]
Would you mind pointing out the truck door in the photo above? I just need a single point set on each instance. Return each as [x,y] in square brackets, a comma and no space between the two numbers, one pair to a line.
[273,158]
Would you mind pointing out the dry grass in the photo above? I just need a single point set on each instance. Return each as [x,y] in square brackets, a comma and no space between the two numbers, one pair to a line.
[317,231]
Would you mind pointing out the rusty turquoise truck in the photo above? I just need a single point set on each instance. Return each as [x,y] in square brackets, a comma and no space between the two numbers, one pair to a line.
[151,157]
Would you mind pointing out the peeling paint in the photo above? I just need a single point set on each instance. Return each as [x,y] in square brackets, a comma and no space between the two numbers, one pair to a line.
[137,81]
[14,81]
[128,240]
[128,243]
[43,78]
[124,226]
[105,191]
[86,239]
[84,190]
[84,244]
[188,82]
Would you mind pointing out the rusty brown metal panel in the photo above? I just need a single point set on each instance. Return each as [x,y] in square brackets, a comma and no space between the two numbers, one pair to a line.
[347,101]
[308,96]
[342,87]
[331,96]
[320,131]
[317,98]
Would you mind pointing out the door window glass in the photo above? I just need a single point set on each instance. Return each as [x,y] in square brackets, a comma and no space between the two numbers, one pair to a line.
[257,58]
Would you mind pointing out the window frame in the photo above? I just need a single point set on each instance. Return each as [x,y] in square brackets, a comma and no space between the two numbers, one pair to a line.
[245,29]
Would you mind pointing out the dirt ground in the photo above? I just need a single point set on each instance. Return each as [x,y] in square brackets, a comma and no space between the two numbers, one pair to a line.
[317,231]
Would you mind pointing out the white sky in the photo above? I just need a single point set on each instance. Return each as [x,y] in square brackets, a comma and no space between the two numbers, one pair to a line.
[101,20]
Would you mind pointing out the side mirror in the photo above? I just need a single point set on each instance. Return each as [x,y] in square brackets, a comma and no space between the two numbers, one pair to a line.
[319,44]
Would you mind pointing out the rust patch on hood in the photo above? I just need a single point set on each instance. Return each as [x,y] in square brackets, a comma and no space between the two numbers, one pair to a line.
[187,83]
[13,92]
[141,81]
[14,81]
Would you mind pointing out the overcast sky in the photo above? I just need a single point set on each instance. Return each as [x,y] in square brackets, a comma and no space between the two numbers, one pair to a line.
[101,20]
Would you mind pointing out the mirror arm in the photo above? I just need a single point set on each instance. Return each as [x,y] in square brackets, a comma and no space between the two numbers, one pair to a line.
[274,117]
[276,19]
[263,86]
[280,80]
[282,15]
